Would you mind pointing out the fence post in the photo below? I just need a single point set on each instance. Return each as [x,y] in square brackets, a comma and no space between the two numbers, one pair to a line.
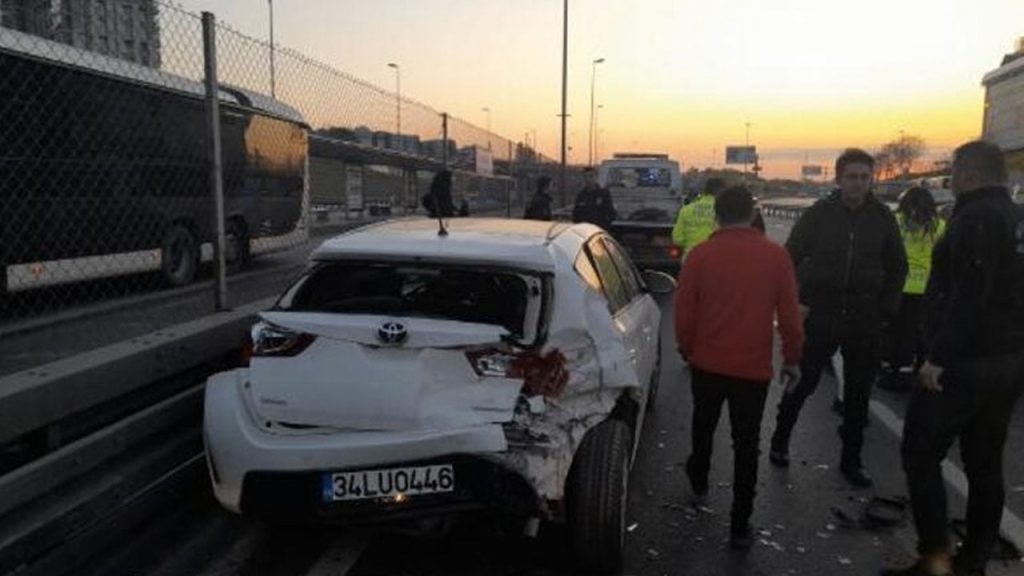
[216,180]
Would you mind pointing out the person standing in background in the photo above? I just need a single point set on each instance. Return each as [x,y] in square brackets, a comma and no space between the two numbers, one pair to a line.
[593,203]
[921,228]
[539,207]
[696,221]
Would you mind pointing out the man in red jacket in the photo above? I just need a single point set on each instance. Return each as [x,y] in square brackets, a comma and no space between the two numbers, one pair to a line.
[731,288]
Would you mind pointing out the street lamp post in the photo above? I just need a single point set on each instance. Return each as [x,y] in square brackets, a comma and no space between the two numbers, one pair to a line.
[597,135]
[398,102]
[488,112]
[273,87]
[593,76]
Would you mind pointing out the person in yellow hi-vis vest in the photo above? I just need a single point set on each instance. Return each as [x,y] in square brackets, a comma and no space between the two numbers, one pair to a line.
[696,221]
[921,227]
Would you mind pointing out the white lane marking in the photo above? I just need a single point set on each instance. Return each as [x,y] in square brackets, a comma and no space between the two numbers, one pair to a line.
[1012,527]
[340,556]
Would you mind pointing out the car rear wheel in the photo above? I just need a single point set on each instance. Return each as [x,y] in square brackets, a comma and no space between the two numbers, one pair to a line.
[179,256]
[596,498]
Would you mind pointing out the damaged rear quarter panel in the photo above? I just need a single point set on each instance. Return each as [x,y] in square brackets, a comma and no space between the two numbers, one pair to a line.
[600,371]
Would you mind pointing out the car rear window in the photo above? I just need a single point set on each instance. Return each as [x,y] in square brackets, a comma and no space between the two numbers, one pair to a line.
[482,296]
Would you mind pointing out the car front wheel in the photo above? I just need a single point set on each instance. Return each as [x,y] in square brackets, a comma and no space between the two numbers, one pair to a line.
[596,497]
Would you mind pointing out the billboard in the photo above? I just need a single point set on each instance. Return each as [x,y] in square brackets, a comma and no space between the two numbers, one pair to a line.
[811,170]
[741,154]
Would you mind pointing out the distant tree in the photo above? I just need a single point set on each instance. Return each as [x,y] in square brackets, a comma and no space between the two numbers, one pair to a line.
[900,155]
[883,165]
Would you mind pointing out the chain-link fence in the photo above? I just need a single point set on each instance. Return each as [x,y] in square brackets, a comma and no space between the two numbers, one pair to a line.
[107,212]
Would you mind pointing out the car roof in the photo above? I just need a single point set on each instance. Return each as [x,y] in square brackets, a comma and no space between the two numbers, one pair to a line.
[500,242]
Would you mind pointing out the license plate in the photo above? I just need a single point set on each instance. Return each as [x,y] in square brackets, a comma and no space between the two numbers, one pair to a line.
[388,483]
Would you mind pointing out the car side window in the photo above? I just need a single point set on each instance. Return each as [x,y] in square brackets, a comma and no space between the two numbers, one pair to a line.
[614,288]
[630,279]
[586,271]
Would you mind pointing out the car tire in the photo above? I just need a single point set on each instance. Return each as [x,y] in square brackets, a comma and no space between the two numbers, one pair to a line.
[236,246]
[655,383]
[179,256]
[596,498]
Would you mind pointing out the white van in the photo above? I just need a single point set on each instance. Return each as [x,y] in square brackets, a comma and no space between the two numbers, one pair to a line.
[647,192]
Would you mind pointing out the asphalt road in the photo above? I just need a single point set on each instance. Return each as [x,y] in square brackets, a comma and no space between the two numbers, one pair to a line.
[807,519]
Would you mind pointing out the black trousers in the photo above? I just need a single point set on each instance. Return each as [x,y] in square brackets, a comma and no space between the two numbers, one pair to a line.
[858,337]
[908,333]
[746,405]
[975,405]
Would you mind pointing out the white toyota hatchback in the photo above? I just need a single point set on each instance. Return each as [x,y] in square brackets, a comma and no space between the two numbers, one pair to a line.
[501,364]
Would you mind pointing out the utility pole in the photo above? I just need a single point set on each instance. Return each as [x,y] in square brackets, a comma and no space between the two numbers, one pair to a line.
[398,103]
[593,77]
[565,88]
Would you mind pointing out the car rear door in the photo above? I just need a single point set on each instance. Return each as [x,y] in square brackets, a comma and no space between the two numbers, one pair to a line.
[623,303]
[641,305]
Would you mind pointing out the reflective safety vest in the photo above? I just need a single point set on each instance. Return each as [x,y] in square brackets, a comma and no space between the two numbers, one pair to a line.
[695,222]
[919,245]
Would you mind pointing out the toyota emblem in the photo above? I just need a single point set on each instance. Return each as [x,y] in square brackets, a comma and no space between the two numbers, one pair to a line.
[392,333]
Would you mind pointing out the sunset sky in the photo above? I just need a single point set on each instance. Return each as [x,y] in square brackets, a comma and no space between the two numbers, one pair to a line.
[680,76]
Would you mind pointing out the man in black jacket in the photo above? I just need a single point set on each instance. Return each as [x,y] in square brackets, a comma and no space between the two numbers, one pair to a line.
[593,203]
[851,266]
[539,207]
[975,368]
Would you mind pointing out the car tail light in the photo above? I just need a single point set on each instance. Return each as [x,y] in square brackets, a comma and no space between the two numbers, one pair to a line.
[544,375]
[674,252]
[269,340]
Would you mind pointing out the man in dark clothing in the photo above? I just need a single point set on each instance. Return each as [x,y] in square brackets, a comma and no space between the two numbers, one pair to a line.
[593,203]
[539,207]
[438,202]
[851,266]
[974,373]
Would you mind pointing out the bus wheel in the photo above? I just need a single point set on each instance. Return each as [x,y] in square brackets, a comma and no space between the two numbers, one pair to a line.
[179,256]
[236,246]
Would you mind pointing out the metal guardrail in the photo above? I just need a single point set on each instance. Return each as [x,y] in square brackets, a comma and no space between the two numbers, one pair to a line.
[787,210]
[110,434]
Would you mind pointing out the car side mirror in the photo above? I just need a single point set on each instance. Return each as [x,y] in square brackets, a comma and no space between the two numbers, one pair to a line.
[659,282]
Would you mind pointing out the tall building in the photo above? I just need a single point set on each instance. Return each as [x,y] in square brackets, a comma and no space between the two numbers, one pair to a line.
[125,29]
[1003,122]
